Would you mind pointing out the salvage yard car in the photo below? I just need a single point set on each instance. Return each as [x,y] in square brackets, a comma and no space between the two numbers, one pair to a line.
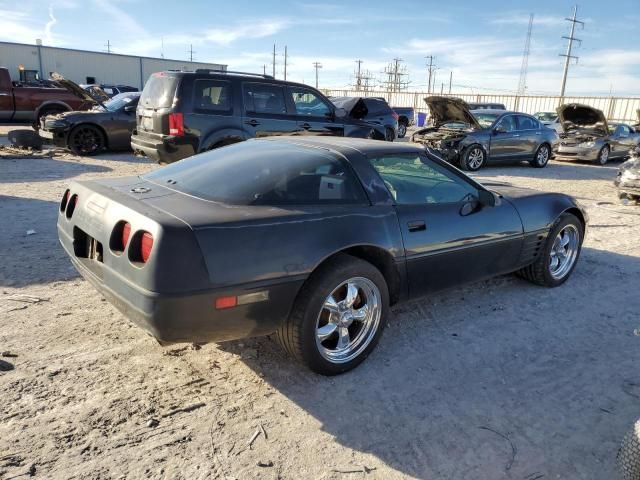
[472,139]
[628,178]
[184,113]
[372,110]
[311,238]
[586,135]
[106,126]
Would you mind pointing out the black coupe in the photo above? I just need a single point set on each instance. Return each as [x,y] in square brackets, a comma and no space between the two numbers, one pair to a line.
[310,238]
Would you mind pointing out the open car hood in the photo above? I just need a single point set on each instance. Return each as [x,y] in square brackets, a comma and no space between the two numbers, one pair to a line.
[575,116]
[74,88]
[355,106]
[450,109]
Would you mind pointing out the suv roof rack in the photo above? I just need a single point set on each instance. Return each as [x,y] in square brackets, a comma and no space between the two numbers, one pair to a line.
[210,70]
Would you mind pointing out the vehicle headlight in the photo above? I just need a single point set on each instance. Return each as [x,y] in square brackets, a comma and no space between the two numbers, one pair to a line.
[588,144]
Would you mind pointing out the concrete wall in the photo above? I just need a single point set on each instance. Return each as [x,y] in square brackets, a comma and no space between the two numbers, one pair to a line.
[77,65]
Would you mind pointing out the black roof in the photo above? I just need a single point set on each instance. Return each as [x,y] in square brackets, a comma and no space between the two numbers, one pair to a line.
[348,145]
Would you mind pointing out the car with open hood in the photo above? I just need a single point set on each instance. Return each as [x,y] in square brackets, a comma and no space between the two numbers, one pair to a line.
[472,139]
[108,125]
[182,113]
[628,178]
[374,110]
[586,135]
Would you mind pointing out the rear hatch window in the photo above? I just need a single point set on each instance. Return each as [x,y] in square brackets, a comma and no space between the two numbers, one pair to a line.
[159,91]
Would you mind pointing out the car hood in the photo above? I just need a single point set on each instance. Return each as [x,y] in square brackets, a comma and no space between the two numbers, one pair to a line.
[74,88]
[354,106]
[450,109]
[76,116]
[575,116]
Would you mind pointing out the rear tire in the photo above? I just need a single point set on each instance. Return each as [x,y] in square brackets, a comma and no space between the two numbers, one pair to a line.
[402,129]
[541,157]
[389,135]
[86,140]
[473,158]
[628,458]
[549,269]
[316,326]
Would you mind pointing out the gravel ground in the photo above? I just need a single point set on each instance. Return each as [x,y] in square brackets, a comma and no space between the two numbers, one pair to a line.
[495,380]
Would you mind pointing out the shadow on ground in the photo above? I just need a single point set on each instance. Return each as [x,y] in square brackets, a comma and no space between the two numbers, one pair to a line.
[35,258]
[44,169]
[499,379]
[555,170]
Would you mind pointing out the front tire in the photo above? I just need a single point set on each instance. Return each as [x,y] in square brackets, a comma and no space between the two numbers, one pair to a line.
[603,155]
[541,157]
[338,317]
[560,254]
[628,458]
[402,129]
[86,140]
[473,158]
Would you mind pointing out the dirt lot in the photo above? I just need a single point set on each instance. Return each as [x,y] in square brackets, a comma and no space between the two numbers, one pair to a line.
[496,380]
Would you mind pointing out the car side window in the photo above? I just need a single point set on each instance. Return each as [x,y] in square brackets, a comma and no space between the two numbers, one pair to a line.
[413,179]
[623,131]
[308,103]
[264,98]
[527,123]
[212,95]
[507,124]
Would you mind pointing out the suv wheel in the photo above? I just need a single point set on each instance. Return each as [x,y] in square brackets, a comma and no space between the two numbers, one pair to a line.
[338,316]
[389,135]
[402,129]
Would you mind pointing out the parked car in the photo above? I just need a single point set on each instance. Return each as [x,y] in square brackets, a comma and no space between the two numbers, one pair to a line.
[110,90]
[106,126]
[312,238]
[29,102]
[628,178]
[184,113]
[406,118]
[586,135]
[474,138]
[374,110]
[486,106]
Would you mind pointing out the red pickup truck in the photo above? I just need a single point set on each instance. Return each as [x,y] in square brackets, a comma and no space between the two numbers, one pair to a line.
[27,103]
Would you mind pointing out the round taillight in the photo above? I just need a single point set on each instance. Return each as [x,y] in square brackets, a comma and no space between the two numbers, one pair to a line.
[71,206]
[65,200]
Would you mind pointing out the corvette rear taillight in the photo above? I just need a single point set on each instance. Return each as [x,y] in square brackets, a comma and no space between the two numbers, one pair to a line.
[120,236]
[176,124]
[65,200]
[124,236]
[146,244]
[71,206]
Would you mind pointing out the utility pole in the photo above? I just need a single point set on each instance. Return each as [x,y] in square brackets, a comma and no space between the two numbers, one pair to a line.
[285,63]
[161,47]
[430,67]
[441,88]
[108,45]
[264,69]
[274,60]
[358,77]
[522,84]
[317,65]
[568,55]
[191,52]
[450,80]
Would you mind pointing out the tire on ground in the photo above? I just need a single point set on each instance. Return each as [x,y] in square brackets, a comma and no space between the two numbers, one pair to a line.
[535,162]
[628,458]
[464,158]
[297,334]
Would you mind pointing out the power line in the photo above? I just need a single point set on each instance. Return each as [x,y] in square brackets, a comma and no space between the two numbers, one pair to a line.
[522,84]
[317,65]
[568,55]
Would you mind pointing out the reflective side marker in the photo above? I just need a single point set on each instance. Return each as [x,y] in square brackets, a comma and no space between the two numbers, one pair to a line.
[233,301]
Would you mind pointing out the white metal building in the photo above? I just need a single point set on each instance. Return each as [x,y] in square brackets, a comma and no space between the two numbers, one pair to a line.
[83,66]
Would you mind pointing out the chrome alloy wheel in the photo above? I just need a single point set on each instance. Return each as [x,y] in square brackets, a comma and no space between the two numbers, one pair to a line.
[348,320]
[604,155]
[543,155]
[475,158]
[564,251]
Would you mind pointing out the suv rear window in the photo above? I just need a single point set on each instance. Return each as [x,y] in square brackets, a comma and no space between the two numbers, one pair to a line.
[212,95]
[264,173]
[159,91]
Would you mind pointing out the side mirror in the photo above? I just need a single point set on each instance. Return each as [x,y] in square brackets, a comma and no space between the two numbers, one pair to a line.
[130,108]
[498,130]
[340,113]
[486,198]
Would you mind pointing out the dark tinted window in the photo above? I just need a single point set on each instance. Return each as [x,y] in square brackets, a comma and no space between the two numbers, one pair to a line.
[263,98]
[507,124]
[377,107]
[159,91]
[212,95]
[308,103]
[259,172]
[413,179]
[527,123]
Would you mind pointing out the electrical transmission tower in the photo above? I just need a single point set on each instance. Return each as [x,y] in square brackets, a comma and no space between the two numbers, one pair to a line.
[317,65]
[395,73]
[522,84]
[568,55]
[362,78]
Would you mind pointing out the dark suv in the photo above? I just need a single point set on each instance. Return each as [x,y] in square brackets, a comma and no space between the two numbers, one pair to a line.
[373,110]
[184,113]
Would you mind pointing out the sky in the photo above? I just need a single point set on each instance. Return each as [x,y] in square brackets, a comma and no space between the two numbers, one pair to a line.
[481,43]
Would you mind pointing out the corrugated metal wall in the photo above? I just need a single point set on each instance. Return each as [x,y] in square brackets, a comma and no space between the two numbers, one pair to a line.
[621,109]
[77,65]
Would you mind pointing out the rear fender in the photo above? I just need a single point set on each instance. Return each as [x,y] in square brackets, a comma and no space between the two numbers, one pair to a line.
[227,134]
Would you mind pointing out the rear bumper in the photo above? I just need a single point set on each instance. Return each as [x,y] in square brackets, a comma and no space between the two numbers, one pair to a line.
[161,148]
[190,317]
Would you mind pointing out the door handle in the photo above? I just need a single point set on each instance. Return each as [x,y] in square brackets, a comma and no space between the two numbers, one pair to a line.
[252,122]
[416,225]
[538,133]
[306,126]
[516,135]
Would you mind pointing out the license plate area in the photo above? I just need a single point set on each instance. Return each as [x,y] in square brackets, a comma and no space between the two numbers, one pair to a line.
[147,123]
[85,246]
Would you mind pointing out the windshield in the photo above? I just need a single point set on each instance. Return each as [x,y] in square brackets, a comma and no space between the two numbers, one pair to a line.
[546,116]
[159,91]
[486,119]
[121,100]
